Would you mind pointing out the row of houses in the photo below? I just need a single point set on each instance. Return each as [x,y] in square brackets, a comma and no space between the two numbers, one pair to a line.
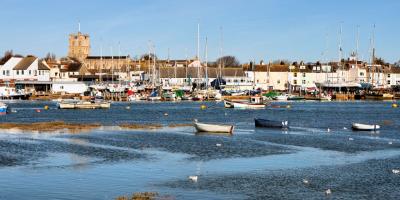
[32,70]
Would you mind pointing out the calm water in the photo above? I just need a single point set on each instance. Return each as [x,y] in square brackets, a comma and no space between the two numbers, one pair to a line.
[252,164]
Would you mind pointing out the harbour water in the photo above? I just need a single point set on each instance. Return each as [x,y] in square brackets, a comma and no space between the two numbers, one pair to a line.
[253,163]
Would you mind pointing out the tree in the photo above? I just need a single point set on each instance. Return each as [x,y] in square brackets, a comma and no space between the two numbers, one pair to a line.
[380,61]
[147,56]
[50,57]
[7,55]
[228,61]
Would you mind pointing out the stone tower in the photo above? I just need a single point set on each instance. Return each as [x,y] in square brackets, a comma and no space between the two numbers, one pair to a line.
[79,45]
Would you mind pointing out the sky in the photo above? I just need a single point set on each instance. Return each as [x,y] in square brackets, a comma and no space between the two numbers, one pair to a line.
[251,30]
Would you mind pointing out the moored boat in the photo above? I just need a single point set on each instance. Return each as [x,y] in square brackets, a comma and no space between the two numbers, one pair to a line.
[282,97]
[3,108]
[254,103]
[270,123]
[213,128]
[84,105]
[365,127]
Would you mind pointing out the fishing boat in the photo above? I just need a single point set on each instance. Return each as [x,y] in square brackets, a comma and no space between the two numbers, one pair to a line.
[3,108]
[254,103]
[295,98]
[365,127]
[282,97]
[270,123]
[213,128]
[84,105]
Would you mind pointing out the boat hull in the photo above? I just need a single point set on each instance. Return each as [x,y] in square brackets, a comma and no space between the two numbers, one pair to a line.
[364,127]
[84,105]
[270,123]
[3,110]
[213,128]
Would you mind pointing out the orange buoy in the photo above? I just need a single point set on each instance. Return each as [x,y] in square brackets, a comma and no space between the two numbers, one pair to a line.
[38,110]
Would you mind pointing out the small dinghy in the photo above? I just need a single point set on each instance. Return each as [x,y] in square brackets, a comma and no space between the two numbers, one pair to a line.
[365,127]
[3,108]
[213,128]
[270,123]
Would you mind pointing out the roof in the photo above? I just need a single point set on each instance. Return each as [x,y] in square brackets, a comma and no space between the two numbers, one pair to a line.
[25,63]
[196,72]
[106,57]
[43,66]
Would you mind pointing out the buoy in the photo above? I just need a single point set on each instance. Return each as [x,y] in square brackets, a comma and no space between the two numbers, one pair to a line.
[14,111]
[165,114]
[305,181]
[203,107]
[328,192]
[127,107]
[390,142]
[344,128]
[288,106]
[46,107]
[193,178]
[218,145]
[329,130]
[38,110]
[396,171]
[394,105]
[351,139]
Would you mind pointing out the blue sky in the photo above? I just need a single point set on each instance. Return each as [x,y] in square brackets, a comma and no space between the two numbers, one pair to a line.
[251,29]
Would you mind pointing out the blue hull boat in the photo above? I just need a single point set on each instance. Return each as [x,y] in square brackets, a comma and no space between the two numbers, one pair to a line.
[270,123]
[3,109]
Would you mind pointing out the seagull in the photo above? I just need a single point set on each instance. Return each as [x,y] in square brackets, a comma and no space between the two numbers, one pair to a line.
[329,130]
[328,192]
[390,142]
[344,128]
[127,107]
[351,139]
[193,178]
[165,114]
[218,145]
[396,171]
[305,181]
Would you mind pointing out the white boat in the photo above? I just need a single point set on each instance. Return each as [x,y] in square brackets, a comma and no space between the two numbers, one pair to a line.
[213,128]
[98,87]
[228,104]
[247,105]
[282,97]
[365,127]
[84,105]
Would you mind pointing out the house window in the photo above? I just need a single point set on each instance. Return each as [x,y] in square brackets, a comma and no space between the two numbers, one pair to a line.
[278,82]
[303,81]
[388,75]
[17,72]
[295,82]
[4,72]
[388,82]
[8,72]
[30,72]
[35,71]
[295,74]
[62,87]
[304,74]
[22,72]
[361,73]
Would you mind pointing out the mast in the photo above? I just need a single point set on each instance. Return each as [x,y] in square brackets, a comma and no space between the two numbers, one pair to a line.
[339,78]
[112,65]
[101,62]
[206,65]
[221,52]
[198,52]
[118,62]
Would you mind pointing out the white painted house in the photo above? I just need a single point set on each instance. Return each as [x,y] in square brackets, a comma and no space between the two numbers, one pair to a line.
[29,68]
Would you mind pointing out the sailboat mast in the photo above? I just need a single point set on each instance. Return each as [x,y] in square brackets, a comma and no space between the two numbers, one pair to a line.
[112,65]
[206,64]
[101,62]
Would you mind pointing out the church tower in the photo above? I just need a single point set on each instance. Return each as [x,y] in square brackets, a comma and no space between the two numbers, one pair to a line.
[79,45]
